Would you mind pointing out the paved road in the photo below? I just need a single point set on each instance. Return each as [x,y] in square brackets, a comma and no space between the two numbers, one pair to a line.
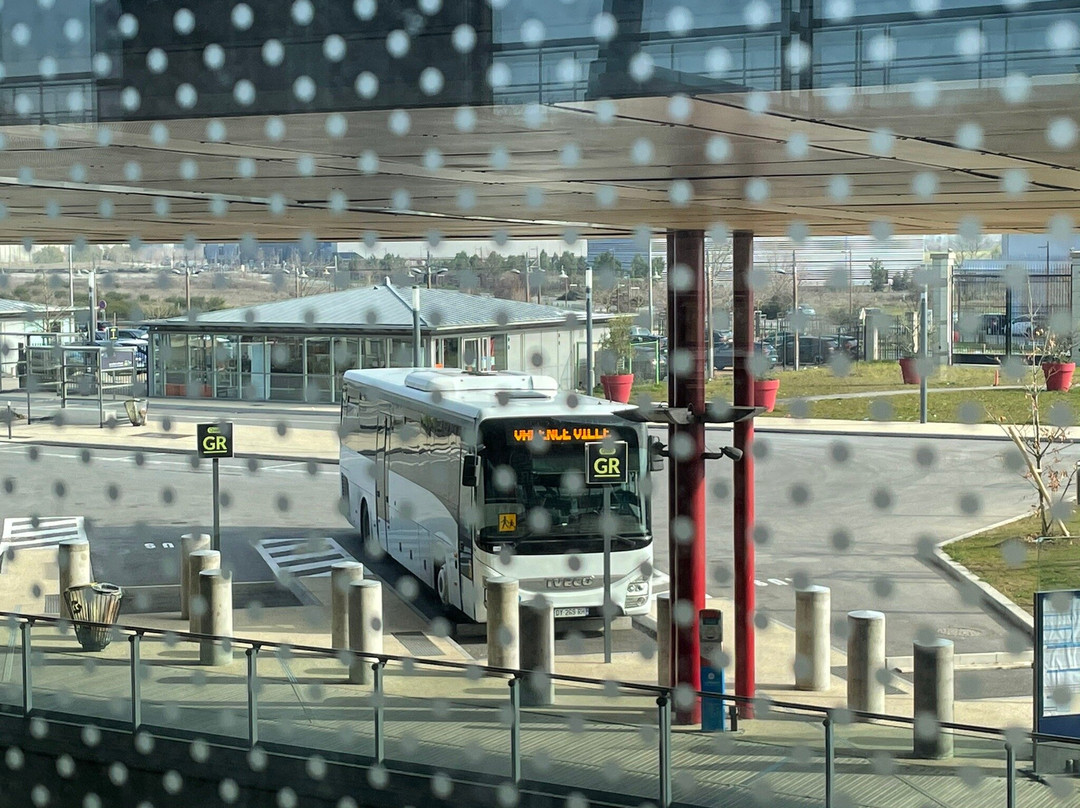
[256,413]
[134,512]
[818,519]
[851,513]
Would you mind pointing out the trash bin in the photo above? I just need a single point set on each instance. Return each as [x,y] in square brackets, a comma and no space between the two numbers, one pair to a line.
[94,603]
[136,410]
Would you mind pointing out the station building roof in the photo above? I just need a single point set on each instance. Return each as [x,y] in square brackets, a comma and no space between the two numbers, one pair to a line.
[19,309]
[381,310]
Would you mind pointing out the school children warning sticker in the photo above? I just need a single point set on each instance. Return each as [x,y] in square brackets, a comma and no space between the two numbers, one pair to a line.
[507,522]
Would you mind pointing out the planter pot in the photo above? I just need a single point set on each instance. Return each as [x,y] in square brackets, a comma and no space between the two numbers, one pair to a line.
[908,371]
[1058,375]
[617,387]
[765,393]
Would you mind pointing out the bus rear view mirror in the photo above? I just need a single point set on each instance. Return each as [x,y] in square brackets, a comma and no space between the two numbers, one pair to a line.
[468,471]
[657,453]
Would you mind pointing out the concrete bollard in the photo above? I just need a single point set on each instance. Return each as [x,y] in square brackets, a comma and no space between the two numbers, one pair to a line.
[365,628]
[73,558]
[215,589]
[813,638]
[663,640]
[502,622]
[189,543]
[342,574]
[536,620]
[865,661]
[198,562]
[933,698]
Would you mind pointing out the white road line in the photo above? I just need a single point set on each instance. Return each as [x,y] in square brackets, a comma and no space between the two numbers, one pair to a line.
[19,531]
[281,555]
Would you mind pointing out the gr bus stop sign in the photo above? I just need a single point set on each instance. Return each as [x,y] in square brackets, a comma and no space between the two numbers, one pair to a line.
[606,463]
[215,440]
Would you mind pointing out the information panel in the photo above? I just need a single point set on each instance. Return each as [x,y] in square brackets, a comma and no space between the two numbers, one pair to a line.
[1057,663]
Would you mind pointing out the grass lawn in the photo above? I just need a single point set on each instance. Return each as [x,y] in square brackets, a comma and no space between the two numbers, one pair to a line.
[944,405]
[862,377]
[1009,559]
[969,407]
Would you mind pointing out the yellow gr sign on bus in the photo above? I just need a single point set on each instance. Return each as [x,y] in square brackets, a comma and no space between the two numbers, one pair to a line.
[606,463]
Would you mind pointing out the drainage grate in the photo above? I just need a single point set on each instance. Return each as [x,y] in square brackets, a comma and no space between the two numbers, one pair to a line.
[52,604]
[418,645]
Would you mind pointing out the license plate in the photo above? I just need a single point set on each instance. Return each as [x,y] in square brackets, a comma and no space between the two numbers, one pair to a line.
[572,611]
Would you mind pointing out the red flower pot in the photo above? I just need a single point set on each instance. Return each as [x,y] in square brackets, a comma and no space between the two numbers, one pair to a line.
[617,387]
[908,371]
[765,393]
[1058,375]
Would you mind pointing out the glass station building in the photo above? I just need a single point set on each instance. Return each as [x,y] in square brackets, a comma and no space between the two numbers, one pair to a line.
[297,350]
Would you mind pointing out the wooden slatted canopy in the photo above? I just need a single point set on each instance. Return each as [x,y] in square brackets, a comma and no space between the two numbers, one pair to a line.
[766,169]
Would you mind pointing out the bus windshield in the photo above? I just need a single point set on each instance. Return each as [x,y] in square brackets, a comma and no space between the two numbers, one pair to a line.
[534,493]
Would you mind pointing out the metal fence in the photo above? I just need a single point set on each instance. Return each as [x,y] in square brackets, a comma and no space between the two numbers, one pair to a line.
[998,314]
[603,739]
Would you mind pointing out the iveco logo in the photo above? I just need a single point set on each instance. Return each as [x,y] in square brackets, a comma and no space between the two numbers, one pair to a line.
[570,583]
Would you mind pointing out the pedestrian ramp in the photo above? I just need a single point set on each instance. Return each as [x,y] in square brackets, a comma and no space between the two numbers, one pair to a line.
[23,532]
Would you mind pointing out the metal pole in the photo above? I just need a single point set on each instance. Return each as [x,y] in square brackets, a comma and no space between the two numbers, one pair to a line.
[100,391]
[652,315]
[1008,319]
[710,326]
[794,310]
[663,720]
[1010,776]
[924,352]
[136,682]
[377,700]
[417,354]
[252,654]
[607,574]
[71,282]
[27,674]
[743,472]
[515,729]
[590,381]
[686,474]
[830,761]
[10,416]
[187,290]
[216,536]
[92,293]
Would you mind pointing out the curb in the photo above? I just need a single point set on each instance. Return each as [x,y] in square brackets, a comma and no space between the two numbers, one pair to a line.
[169,450]
[981,591]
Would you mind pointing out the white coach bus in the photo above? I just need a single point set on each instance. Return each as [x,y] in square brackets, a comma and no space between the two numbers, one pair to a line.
[463,476]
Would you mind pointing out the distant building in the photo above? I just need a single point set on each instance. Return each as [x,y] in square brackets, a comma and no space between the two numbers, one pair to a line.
[297,350]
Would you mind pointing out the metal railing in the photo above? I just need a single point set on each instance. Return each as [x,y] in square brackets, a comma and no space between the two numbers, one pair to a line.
[443,715]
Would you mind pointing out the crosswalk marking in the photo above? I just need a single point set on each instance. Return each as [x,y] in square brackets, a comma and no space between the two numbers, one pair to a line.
[301,557]
[773,581]
[28,531]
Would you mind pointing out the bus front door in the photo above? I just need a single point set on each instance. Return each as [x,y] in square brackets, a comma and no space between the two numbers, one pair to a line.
[382,445]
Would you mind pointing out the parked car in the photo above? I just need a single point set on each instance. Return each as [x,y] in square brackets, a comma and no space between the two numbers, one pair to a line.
[812,350]
[724,354]
[1028,327]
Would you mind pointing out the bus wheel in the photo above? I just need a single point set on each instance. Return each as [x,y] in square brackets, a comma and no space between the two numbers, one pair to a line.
[442,584]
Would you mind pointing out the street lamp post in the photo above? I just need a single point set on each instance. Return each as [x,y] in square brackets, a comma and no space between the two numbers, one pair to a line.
[417,358]
[590,382]
[428,273]
[794,272]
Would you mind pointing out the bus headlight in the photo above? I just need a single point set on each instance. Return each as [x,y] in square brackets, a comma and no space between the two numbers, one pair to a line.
[637,593]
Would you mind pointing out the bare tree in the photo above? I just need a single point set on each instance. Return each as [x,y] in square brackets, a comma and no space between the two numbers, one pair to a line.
[1041,444]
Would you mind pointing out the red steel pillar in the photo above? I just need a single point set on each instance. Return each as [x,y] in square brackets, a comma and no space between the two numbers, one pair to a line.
[743,264]
[686,469]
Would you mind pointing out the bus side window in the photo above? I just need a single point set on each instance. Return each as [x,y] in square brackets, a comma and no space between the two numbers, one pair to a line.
[468,471]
